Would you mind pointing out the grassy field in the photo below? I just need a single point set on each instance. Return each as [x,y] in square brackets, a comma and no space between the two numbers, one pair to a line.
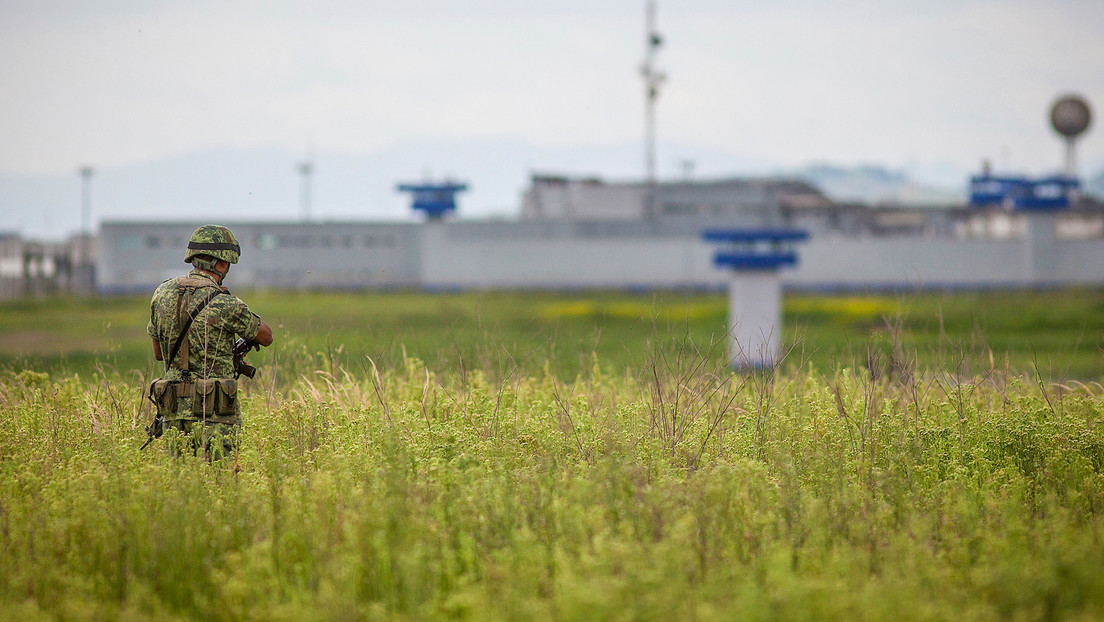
[1056,335]
[568,457]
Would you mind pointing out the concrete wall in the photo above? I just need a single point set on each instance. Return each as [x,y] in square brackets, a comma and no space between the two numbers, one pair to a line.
[567,261]
[580,254]
[908,262]
[136,256]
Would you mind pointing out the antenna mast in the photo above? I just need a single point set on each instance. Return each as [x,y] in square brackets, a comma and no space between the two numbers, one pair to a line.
[653,78]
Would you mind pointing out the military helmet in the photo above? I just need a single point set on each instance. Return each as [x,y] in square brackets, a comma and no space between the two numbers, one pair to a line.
[213,240]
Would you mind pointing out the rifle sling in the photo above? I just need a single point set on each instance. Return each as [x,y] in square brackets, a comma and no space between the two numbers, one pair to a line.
[188,325]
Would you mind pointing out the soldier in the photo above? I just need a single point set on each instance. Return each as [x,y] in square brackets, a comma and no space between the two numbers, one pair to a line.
[194,322]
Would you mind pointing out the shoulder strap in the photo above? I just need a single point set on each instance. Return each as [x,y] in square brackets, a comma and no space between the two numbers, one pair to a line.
[188,325]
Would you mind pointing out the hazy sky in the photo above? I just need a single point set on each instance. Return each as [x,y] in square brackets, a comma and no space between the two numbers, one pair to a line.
[115,82]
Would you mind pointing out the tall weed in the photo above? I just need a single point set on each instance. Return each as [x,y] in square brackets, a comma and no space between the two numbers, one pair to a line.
[669,488]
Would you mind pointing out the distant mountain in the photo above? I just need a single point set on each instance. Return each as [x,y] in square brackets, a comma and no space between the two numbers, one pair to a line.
[263,183]
[874,185]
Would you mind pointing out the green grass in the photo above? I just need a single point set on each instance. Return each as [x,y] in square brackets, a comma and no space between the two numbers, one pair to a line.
[1053,334]
[569,457]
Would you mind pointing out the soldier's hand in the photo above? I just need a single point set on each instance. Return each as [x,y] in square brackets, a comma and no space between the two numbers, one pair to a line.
[264,335]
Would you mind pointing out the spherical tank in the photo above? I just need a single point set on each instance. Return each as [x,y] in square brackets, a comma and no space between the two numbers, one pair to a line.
[1070,115]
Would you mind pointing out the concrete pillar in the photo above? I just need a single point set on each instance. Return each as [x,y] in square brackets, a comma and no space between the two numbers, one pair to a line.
[754,319]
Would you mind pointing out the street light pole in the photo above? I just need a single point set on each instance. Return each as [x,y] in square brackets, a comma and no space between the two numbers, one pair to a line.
[86,198]
[653,78]
[86,214]
[305,169]
[83,269]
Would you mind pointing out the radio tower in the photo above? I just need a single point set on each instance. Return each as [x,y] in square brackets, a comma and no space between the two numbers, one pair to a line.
[653,78]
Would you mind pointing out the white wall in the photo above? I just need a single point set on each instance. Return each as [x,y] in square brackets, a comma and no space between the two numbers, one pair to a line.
[583,255]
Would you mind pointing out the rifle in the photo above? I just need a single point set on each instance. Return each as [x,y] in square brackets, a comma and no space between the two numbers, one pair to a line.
[154,430]
[242,348]
[157,427]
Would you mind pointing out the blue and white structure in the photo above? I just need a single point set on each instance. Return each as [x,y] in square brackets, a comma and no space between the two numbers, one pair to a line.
[755,257]
[587,233]
[436,200]
[1020,193]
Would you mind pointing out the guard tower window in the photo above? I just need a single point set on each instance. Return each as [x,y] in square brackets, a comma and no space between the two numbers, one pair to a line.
[384,241]
[266,241]
[680,209]
[294,241]
[129,242]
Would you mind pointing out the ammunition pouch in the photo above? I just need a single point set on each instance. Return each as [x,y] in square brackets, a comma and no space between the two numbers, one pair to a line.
[211,397]
[163,394]
[215,397]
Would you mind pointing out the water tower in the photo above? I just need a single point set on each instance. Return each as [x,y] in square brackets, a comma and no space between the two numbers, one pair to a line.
[1070,116]
[1045,198]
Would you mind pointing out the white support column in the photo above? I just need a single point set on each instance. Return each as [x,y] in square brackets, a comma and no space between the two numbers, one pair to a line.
[755,318]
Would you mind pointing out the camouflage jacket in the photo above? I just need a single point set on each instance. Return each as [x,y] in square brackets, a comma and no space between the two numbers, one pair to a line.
[213,332]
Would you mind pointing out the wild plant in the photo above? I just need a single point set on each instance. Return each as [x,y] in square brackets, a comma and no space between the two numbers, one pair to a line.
[375,484]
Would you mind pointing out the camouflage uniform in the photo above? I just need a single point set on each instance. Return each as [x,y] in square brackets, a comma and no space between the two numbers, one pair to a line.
[205,354]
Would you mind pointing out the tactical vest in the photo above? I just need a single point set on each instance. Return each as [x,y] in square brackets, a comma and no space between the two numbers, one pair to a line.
[209,399]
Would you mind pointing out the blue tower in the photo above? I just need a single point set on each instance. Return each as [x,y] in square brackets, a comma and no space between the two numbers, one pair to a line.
[435,200]
[1019,193]
[754,257]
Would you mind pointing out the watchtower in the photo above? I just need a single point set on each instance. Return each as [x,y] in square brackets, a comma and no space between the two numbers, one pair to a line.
[755,257]
[434,199]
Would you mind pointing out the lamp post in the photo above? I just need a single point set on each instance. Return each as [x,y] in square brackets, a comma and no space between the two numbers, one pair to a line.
[83,269]
[305,169]
[86,197]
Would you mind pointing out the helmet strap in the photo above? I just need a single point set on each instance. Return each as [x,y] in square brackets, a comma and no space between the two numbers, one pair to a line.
[211,266]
